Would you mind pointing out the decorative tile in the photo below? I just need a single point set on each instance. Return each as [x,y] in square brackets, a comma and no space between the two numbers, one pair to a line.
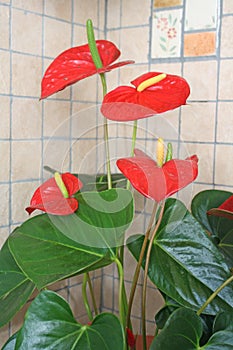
[200,44]
[167,3]
[166,34]
[199,16]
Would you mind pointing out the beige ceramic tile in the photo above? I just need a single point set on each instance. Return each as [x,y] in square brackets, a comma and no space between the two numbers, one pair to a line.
[5,72]
[80,36]
[200,44]
[225,122]
[26,75]
[202,78]
[86,89]
[26,159]
[130,72]
[59,9]
[26,32]
[198,122]
[4,232]
[133,44]
[5,117]
[227,6]
[84,123]
[135,12]
[57,37]
[26,118]
[35,6]
[56,118]
[21,196]
[205,155]
[114,14]
[4,27]
[101,14]
[84,10]
[108,283]
[163,125]
[225,80]
[226,37]
[57,154]
[169,68]
[223,165]
[167,3]
[5,161]
[4,205]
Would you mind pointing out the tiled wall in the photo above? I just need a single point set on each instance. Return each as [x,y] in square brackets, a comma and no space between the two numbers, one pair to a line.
[161,35]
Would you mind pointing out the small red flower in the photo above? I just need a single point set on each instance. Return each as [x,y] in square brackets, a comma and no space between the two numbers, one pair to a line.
[156,182]
[131,339]
[171,33]
[159,94]
[49,198]
[224,210]
[76,64]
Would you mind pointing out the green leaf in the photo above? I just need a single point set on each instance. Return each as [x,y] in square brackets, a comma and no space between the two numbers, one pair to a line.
[184,263]
[223,321]
[49,325]
[15,287]
[220,228]
[50,248]
[182,331]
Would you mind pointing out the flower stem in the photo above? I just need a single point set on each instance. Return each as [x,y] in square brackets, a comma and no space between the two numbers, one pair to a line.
[92,294]
[139,264]
[84,295]
[134,136]
[214,294]
[121,289]
[144,288]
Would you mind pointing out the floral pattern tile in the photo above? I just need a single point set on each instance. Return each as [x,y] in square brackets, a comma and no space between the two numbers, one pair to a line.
[167,3]
[201,14]
[166,34]
[200,44]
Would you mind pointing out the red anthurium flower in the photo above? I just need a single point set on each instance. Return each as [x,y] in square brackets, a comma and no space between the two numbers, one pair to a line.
[157,182]
[153,93]
[224,210]
[131,339]
[54,196]
[76,64]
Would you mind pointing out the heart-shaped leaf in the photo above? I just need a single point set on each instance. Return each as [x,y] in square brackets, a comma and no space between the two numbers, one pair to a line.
[51,248]
[183,330]
[15,287]
[220,228]
[49,324]
[184,263]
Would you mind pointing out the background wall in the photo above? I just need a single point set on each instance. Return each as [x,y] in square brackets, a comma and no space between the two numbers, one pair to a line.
[159,35]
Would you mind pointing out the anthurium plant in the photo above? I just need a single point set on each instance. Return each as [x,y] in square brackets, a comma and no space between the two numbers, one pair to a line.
[81,226]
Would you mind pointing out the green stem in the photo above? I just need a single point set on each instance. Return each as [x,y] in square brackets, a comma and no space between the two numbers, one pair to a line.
[215,293]
[139,264]
[85,299]
[134,136]
[144,288]
[98,64]
[92,294]
[121,289]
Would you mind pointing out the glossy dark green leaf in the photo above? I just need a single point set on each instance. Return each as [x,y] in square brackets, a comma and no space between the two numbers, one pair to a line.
[49,325]
[182,331]
[184,263]
[169,307]
[50,248]
[220,228]
[15,286]
[223,321]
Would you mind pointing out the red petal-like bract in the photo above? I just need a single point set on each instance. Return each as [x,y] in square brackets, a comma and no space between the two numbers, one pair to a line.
[76,64]
[49,198]
[156,182]
[131,339]
[125,103]
[224,210]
